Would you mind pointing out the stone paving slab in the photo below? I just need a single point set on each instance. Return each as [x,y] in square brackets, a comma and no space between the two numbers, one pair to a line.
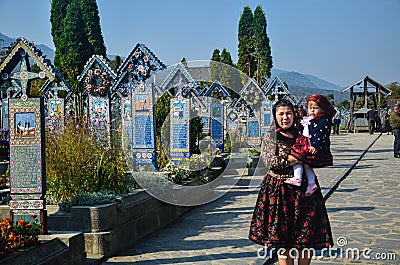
[364,210]
[217,233]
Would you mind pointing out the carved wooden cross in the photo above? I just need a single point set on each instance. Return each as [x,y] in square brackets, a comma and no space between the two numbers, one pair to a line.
[24,75]
[55,89]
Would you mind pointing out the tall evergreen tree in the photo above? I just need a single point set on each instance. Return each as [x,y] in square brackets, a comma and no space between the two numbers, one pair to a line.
[90,15]
[215,65]
[262,49]
[230,75]
[246,62]
[77,36]
[226,71]
[226,57]
[57,15]
[75,50]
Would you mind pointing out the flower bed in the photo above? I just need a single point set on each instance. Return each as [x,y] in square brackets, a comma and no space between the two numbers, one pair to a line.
[19,236]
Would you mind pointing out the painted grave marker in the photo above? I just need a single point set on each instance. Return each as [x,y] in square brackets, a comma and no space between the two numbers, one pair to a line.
[253,132]
[217,128]
[180,128]
[27,159]
[55,114]
[99,111]
[266,116]
[143,133]
[127,129]
[136,105]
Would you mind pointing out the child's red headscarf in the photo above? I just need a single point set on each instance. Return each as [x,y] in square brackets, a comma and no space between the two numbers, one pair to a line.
[324,104]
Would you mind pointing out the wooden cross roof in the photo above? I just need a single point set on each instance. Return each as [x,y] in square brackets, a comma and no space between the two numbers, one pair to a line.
[367,80]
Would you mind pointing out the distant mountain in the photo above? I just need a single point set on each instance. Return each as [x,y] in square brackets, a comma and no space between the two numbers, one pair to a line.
[45,49]
[303,85]
[320,83]
[304,80]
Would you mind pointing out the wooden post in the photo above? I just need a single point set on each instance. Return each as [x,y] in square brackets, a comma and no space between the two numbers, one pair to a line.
[365,94]
[379,101]
[351,123]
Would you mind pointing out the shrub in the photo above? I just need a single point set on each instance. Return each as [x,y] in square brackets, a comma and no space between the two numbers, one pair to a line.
[177,173]
[76,161]
[90,199]
[253,152]
[189,168]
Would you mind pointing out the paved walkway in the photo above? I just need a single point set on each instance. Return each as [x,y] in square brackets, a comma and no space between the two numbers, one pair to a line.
[363,209]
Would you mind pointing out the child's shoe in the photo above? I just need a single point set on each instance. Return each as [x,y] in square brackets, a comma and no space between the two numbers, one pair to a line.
[293,181]
[310,189]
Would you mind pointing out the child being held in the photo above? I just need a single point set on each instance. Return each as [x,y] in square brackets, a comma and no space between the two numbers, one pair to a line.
[313,147]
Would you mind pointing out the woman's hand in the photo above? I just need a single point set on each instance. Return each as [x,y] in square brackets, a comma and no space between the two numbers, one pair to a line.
[293,160]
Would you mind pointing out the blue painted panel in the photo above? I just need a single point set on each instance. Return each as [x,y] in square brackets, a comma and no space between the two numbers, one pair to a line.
[253,129]
[144,133]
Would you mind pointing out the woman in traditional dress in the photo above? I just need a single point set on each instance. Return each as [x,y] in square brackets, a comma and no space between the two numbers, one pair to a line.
[284,219]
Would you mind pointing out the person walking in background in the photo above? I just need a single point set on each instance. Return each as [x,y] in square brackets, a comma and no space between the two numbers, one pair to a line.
[372,115]
[395,124]
[284,219]
[297,116]
[303,111]
[336,121]
[313,147]
[388,128]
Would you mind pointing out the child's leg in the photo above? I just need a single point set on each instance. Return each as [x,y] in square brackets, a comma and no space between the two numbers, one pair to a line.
[311,187]
[309,173]
[297,172]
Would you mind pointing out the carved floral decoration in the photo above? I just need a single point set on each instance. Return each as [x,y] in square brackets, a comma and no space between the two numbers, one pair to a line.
[140,66]
[97,82]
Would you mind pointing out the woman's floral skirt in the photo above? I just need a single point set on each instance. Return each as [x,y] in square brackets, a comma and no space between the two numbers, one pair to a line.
[284,218]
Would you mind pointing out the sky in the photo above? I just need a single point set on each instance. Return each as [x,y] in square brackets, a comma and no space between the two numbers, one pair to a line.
[340,41]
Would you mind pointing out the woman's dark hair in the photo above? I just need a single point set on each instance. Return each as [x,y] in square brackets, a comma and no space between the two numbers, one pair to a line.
[283,103]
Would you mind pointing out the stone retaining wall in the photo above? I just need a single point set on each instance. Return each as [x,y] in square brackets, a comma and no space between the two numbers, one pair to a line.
[108,230]
[56,249]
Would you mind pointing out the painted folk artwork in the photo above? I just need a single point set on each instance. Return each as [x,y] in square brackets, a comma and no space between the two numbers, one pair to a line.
[25,125]
[56,113]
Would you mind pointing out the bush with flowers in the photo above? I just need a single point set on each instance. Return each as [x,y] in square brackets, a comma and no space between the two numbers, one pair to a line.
[17,236]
